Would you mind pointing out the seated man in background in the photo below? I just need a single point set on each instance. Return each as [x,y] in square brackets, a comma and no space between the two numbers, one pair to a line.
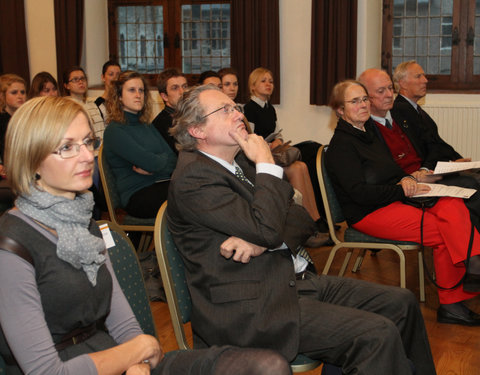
[411,83]
[233,219]
[414,147]
[171,84]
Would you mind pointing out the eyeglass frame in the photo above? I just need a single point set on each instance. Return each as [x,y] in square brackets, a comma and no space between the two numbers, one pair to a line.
[236,107]
[78,79]
[358,101]
[94,146]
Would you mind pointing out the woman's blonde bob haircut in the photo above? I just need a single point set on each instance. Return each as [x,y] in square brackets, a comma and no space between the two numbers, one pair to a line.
[35,130]
[255,76]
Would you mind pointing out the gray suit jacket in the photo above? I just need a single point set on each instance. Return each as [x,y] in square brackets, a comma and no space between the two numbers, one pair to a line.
[249,305]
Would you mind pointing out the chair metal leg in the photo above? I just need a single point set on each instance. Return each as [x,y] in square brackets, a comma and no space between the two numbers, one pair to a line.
[331,256]
[421,277]
[359,260]
[348,255]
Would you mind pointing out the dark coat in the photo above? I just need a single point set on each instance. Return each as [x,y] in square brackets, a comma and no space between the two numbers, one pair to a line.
[248,305]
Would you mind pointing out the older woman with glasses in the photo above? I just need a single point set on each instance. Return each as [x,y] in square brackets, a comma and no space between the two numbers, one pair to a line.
[372,188]
[61,308]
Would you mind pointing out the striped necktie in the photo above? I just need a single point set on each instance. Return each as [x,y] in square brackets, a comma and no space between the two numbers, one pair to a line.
[304,254]
[239,174]
[388,124]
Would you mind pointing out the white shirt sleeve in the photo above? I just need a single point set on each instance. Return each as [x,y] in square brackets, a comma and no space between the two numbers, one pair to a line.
[271,169]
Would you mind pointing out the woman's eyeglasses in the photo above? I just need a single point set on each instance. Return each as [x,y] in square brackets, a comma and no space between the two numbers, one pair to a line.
[70,150]
[358,101]
[78,79]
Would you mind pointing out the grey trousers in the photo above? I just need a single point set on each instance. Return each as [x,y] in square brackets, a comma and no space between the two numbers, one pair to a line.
[362,327]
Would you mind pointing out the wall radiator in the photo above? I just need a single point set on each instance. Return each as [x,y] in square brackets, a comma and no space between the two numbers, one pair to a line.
[459,126]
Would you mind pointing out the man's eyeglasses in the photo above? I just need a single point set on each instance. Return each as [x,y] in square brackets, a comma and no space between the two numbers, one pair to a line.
[227,109]
[78,79]
[358,101]
[70,150]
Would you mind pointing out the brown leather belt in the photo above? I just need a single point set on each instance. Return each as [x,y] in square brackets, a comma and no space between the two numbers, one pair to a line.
[300,275]
[76,336]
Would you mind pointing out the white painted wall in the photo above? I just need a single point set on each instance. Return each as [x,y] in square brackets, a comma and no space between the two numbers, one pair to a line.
[96,39]
[299,120]
[40,27]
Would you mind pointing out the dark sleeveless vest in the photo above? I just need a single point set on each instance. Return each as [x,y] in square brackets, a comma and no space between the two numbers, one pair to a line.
[68,299]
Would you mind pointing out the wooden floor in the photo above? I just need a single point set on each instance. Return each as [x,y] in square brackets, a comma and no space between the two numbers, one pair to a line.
[456,349]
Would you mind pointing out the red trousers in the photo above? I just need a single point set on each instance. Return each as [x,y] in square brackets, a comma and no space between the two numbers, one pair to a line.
[446,228]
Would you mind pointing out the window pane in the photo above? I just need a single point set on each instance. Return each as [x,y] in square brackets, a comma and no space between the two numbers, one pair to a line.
[434,46]
[432,65]
[422,30]
[411,8]
[434,26]
[445,63]
[398,8]
[422,47]
[409,27]
[423,8]
[397,27]
[422,25]
[435,6]
[409,47]
[447,7]
[206,35]
[140,38]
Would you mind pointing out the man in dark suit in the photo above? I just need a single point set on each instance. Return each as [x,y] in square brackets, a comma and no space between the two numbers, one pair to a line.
[412,137]
[411,83]
[233,219]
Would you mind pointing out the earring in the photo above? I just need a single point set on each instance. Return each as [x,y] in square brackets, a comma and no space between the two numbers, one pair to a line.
[37,177]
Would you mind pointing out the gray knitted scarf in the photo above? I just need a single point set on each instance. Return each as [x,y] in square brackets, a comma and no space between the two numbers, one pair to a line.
[70,219]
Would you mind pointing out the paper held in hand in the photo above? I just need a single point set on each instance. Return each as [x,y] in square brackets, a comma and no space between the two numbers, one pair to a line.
[439,190]
[444,167]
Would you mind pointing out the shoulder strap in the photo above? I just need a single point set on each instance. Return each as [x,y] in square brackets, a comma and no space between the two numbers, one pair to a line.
[9,244]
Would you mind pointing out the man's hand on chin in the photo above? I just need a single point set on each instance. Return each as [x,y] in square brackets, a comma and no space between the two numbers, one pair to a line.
[254,146]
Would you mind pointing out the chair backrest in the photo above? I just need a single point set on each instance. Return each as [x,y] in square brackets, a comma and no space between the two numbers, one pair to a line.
[333,211]
[179,301]
[3,367]
[129,274]
[109,185]
[172,270]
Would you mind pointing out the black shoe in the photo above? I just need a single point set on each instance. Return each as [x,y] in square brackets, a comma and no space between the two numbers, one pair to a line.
[317,240]
[471,283]
[322,225]
[470,318]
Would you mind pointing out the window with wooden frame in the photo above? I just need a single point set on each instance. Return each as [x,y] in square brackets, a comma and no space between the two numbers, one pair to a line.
[149,36]
[442,35]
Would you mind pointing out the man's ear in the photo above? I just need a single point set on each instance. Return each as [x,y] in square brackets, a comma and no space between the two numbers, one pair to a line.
[196,131]
[164,97]
[340,111]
